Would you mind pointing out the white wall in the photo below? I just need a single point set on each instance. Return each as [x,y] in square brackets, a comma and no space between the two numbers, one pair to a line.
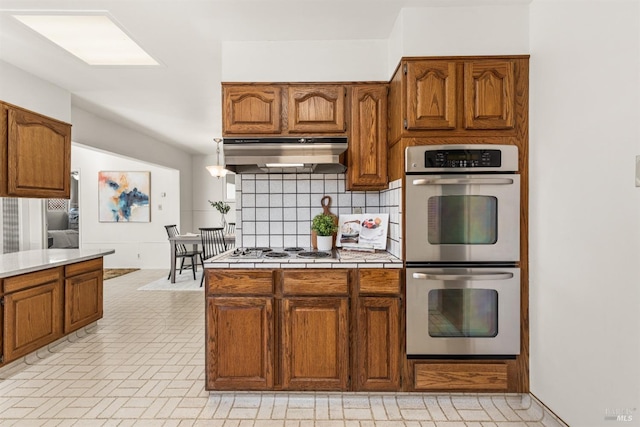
[205,188]
[25,90]
[309,61]
[585,209]
[480,30]
[28,91]
[93,131]
[137,245]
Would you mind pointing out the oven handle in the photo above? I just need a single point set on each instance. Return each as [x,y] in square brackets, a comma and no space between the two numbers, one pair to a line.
[466,277]
[449,181]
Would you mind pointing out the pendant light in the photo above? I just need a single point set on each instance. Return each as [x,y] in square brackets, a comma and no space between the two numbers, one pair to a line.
[218,169]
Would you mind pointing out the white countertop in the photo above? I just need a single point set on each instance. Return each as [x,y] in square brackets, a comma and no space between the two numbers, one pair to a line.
[16,263]
[344,259]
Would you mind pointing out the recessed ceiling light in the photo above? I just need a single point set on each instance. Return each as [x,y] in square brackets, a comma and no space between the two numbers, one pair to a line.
[95,39]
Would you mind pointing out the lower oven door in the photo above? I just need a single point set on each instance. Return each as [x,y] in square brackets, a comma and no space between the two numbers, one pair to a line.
[463,311]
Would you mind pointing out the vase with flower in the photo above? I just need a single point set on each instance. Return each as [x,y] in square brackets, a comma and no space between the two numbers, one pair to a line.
[223,208]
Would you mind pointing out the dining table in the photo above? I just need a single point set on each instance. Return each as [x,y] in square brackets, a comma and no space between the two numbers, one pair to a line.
[195,241]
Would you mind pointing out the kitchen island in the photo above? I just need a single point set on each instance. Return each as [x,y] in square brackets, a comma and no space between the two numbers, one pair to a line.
[304,324]
[46,295]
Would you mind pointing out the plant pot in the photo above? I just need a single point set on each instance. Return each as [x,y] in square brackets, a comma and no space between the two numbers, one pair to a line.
[325,243]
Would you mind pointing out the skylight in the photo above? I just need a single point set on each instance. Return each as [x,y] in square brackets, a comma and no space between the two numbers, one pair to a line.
[95,39]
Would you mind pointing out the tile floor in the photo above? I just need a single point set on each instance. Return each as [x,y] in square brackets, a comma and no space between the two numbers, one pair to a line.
[143,365]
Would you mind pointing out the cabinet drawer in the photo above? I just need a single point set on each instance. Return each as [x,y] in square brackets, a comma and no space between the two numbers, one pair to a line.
[25,281]
[83,267]
[379,281]
[460,376]
[309,282]
[254,282]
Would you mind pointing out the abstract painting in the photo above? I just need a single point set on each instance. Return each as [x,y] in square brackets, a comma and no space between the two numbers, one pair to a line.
[124,196]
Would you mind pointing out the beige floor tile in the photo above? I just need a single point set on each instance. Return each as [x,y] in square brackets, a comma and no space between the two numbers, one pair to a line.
[143,365]
[415,414]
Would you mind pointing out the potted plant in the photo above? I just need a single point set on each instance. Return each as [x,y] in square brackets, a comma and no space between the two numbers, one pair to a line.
[223,208]
[324,226]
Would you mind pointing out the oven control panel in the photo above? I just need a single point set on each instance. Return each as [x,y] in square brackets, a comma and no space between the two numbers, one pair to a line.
[463,159]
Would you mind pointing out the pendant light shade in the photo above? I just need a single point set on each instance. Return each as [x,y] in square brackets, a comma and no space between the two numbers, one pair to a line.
[218,169]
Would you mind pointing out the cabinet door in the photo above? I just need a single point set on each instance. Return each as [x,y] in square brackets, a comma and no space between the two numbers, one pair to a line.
[33,319]
[316,109]
[367,167]
[378,344]
[489,94]
[240,343]
[82,300]
[251,109]
[38,156]
[315,344]
[431,95]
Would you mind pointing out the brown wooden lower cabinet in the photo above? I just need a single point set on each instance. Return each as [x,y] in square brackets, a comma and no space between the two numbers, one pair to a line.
[460,376]
[378,346]
[299,329]
[41,307]
[33,312]
[82,294]
[240,343]
[315,343]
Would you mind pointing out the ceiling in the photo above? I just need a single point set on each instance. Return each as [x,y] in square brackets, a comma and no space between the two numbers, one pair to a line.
[179,103]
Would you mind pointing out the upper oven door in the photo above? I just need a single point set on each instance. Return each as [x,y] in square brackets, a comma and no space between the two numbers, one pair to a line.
[463,218]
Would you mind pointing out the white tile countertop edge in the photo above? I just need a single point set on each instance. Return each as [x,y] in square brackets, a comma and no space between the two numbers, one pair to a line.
[15,263]
[344,259]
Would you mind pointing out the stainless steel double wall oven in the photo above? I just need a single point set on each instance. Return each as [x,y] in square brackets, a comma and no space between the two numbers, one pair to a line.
[462,213]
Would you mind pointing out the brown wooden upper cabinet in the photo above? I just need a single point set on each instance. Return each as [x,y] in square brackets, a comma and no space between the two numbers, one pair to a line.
[455,96]
[283,109]
[489,94]
[317,109]
[35,160]
[251,109]
[431,95]
[367,154]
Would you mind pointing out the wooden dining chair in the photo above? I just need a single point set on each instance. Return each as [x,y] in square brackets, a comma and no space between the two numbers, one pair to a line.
[212,244]
[182,252]
[231,228]
[229,231]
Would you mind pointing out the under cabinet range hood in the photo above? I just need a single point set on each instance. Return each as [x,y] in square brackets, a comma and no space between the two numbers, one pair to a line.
[285,155]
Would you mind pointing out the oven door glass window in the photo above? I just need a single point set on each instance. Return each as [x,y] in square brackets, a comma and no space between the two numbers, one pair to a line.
[463,313]
[462,220]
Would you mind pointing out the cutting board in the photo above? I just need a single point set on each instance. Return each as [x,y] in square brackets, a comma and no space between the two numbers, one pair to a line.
[325,202]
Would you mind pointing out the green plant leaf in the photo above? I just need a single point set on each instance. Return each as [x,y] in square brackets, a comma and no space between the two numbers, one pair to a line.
[324,225]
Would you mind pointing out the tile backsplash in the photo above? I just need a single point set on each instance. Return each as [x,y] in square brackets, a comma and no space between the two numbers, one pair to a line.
[276,209]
